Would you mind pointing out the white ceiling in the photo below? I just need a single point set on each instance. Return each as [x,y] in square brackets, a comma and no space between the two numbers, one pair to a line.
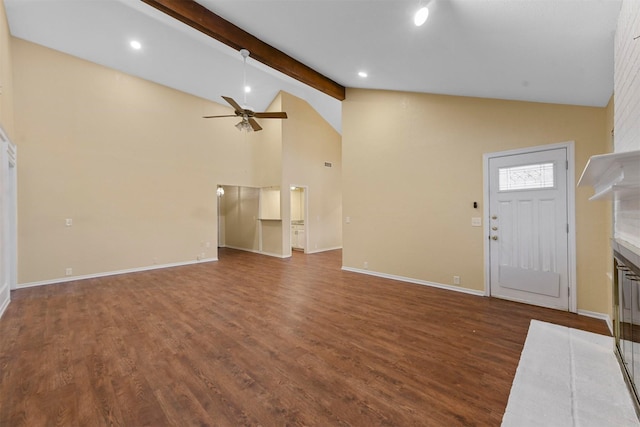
[556,51]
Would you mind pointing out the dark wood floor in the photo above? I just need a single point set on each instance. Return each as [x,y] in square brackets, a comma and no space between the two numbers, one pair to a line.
[255,340]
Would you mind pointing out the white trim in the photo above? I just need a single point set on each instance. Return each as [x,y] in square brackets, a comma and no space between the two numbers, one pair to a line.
[571,213]
[596,315]
[316,251]
[485,228]
[282,256]
[253,251]
[5,290]
[586,313]
[306,220]
[415,281]
[571,218]
[4,306]
[524,301]
[111,273]
[8,218]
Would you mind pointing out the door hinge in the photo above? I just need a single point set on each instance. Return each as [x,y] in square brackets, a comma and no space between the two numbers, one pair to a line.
[566,164]
[569,292]
[567,228]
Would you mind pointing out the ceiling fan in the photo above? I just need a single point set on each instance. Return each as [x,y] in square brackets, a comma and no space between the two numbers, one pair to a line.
[249,122]
[248,116]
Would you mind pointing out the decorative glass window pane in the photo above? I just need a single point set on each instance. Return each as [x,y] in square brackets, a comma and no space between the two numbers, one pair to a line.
[527,177]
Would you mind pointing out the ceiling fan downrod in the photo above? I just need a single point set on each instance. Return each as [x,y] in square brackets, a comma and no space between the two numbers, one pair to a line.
[248,116]
[245,53]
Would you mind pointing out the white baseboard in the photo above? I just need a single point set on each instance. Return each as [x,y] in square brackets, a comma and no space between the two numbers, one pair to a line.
[315,251]
[596,315]
[415,281]
[273,255]
[4,305]
[111,273]
[253,251]
[586,313]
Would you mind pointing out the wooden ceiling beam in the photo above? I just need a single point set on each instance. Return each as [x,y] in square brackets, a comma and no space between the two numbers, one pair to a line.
[207,22]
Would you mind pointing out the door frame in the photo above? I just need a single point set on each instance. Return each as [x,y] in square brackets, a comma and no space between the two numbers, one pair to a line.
[9,214]
[306,217]
[571,213]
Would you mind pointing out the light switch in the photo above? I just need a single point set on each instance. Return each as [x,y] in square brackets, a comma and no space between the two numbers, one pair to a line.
[476,221]
[348,220]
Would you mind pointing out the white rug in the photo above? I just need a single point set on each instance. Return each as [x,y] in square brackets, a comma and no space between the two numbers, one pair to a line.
[568,377]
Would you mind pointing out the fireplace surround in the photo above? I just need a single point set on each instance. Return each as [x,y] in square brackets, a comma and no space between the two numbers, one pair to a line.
[616,177]
[626,322]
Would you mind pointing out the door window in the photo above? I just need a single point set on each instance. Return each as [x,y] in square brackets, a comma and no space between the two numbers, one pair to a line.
[528,177]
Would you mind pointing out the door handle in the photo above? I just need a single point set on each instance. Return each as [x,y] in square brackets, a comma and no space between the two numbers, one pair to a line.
[494,237]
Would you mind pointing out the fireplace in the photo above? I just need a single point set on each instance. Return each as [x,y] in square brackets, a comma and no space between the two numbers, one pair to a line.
[616,177]
[626,299]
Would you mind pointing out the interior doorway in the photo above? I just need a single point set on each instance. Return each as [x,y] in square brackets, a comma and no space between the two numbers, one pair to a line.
[221,225]
[299,222]
[8,220]
[529,219]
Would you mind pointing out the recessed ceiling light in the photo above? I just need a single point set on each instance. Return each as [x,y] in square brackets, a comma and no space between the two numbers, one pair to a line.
[135,44]
[362,74]
[247,89]
[421,16]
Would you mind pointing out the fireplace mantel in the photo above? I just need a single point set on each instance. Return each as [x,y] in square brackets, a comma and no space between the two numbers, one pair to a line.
[613,174]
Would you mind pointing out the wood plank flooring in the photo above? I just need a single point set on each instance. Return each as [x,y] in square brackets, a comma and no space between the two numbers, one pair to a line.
[254,340]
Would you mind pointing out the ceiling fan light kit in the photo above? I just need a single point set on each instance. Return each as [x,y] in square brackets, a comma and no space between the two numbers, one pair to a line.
[421,16]
[248,122]
[244,126]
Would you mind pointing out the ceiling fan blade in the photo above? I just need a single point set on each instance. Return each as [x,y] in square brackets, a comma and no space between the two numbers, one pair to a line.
[256,127]
[273,115]
[234,104]
[214,117]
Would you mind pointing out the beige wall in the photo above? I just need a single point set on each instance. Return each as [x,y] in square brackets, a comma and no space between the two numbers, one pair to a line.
[240,207]
[6,74]
[308,141]
[242,213]
[135,167]
[293,152]
[131,162]
[413,167]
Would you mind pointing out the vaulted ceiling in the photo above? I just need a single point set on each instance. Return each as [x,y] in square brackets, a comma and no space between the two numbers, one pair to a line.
[556,51]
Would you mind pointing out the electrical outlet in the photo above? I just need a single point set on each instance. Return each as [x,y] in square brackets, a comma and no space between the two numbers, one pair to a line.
[68,222]
[68,271]
[456,280]
[366,265]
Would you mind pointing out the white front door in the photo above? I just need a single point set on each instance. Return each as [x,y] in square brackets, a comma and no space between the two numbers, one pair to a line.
[528,224]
